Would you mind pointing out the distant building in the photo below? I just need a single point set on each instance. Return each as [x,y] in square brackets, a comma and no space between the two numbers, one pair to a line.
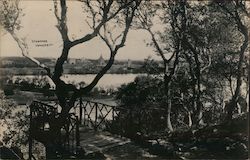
[83,60]
[87,62]
[53,60]
[129,63]
[78,61]
[101,61]
[7,62]
[71,61]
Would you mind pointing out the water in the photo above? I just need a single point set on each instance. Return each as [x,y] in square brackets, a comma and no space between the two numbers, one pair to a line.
[106,82]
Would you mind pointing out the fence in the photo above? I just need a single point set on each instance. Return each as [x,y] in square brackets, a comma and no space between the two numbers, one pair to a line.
[96,115]
[42,116]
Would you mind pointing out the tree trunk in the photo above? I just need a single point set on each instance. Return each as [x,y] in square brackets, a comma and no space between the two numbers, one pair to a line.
[199,104]
[168,96]
[200,117]
[190,122]
[198,89]
[169,124]
[244,31]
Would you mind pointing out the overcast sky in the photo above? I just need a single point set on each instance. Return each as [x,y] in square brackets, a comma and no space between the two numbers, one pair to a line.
[39,24]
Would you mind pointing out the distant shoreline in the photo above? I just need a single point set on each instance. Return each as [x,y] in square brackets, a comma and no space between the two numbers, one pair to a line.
[39,71]
[22,66]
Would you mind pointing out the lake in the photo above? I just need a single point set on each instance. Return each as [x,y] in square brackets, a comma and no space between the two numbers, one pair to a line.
[106,82]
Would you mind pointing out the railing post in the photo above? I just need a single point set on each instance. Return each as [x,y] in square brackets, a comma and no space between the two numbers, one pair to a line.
[77,133]
[96,110]
[113,113]
[80,116]
[139,120]
[30,137]
[84,115]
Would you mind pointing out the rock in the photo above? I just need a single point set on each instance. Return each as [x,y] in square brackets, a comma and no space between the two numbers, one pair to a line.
[138,137]
[81,152]
[95,155]
[163,142]
[213,140]
[240,148]
[183,155]
[162,149]
[153,142]
[194,148]
[186,154]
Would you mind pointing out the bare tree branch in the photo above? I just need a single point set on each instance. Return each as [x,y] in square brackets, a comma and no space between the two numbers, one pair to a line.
[24,48]
[105,18]
[62,23]
[208,64]
[113,49]
[105,38]
[56,10]
[11,13]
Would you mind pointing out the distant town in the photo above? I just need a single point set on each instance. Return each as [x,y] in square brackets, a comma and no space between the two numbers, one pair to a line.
[22,66]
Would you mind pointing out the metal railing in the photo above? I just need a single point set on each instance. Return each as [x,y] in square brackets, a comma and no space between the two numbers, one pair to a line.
[95,114]
[42,115]
[70,137]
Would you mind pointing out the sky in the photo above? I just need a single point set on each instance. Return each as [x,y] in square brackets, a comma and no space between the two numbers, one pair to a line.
[39,22]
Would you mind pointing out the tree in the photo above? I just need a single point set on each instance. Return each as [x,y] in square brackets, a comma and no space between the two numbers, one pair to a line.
[101,13]
[13,124]
[167,42]
[142,100]
[202,46]
[235,9]
[192,27]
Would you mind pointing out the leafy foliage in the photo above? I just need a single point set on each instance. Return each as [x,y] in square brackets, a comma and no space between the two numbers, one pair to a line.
[15,120]
[10,14]
[144,91]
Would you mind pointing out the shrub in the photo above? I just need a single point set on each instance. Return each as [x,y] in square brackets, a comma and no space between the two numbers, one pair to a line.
[8,91]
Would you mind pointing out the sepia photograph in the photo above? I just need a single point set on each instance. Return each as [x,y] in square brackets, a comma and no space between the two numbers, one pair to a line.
[124,79]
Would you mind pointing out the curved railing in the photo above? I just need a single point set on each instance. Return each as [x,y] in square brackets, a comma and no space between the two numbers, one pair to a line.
[96,115]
